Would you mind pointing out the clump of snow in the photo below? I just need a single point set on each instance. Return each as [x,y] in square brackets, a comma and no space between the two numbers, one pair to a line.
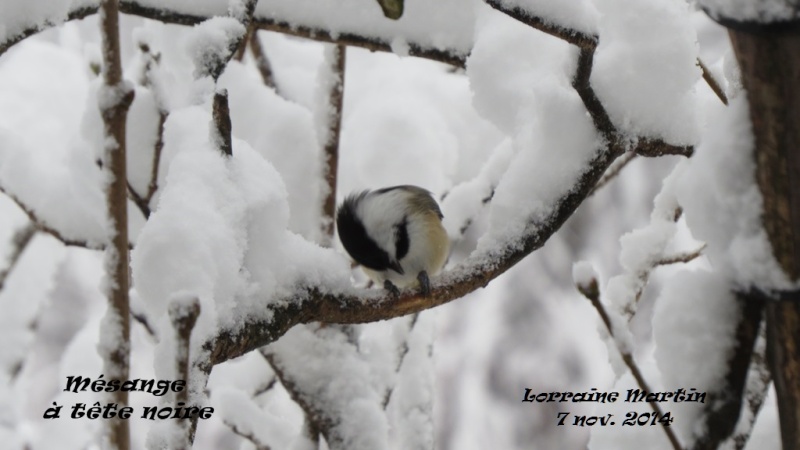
[43,162]
[212,43]
[645,68]
[722,203]
[583,274]
[761,11]
[282,132]
[694,327]
[552,150]
[465,201]
[509,63]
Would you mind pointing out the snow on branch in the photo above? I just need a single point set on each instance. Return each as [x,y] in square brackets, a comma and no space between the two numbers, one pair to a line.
[45,228]
[586,283]
[259,22]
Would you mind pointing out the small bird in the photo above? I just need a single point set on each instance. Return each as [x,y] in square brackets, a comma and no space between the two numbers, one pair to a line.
[396,234]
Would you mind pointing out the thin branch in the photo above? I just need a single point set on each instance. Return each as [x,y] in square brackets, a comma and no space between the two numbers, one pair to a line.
[139,201]
[332,130]
[614,170]
[592,293]
[315,422]
[152,60]
[266,387]
[118,97]
[221,131]
[712,82]
[403,351]
[248,436]
[652,148]
[242,49]
[262,62]
[19,243]
[142,320]
[681,257]
[41,226]
[152,186]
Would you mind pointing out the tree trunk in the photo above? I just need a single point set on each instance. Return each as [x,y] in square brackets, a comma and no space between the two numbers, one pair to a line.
[769,58]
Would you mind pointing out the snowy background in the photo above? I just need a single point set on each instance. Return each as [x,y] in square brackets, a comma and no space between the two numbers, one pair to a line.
[509,120]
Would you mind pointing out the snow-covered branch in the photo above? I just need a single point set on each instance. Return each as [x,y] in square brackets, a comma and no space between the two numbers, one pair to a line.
[259,22]
[115,99]
[329,117]
[590,289]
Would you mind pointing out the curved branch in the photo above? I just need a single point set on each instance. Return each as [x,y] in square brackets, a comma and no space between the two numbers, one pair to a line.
[312,303]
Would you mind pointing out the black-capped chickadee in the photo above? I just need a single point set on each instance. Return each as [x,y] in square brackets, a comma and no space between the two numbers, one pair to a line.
[396,234]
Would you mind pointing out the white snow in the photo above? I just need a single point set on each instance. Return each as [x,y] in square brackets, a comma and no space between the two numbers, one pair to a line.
[722,203]
[239,232]
[644,68]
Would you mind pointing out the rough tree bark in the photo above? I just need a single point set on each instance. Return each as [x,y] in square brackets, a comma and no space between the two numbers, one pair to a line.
[769,58]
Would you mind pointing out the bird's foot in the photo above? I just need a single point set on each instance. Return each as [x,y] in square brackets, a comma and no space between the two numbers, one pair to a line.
[389,286]
[424,283]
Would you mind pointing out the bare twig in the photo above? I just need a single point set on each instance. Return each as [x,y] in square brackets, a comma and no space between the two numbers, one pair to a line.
[574,37]
[114,110]
[248,436]
[712,82]
[19,243]
[682,257]
[266,387]
[403,351]
[332,115]
[152,186]
[41,226]
[614,170]
[262,62]
[142,320]
[314,420]
[140,202]
[242,49]
[592,293]
[152,60]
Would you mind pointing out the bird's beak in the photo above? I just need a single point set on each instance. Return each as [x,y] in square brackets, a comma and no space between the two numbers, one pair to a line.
[394,265]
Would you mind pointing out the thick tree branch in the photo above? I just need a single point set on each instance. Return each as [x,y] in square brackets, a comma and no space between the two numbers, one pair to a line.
[770,65]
